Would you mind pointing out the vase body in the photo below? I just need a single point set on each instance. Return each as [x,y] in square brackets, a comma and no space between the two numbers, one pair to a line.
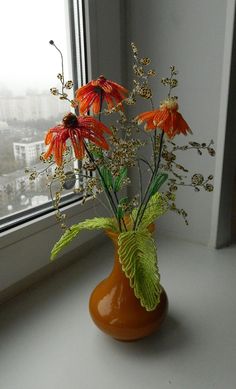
[115,309]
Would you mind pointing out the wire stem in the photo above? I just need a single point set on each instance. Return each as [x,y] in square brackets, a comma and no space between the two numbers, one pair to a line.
[107,192]
[143,206]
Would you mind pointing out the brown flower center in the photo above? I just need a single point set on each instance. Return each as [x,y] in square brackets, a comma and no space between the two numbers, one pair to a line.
[70,120]
[98,90]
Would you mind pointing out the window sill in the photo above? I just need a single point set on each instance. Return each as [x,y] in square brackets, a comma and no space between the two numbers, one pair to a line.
[49,338]
[26,249]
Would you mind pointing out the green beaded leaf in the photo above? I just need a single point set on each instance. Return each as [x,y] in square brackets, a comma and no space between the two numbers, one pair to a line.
[138,258]
[119,179]
[107,177]
[156,207]
[73,231]
[111,183]
[158,181]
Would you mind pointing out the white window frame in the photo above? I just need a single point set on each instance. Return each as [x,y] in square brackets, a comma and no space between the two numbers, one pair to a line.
[26,249]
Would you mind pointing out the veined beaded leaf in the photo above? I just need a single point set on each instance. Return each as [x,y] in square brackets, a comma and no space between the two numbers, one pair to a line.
[138,258]
[156,207]
[73,231]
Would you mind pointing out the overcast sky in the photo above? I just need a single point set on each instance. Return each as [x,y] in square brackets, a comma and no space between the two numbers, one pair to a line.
[27,59]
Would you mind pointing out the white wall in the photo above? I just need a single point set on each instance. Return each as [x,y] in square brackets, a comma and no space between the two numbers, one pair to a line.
[190,35]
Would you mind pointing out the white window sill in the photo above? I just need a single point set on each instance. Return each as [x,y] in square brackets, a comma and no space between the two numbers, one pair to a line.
[26,249]
[49,341]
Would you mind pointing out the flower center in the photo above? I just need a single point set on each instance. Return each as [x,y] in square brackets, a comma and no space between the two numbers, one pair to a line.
[170,103]
[98,90]
[70,120]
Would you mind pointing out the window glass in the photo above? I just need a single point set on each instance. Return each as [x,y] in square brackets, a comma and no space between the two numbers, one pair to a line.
[29,68]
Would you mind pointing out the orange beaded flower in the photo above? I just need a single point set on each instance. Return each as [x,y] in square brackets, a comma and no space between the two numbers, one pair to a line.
[95,92]
[77,129]
[167,118]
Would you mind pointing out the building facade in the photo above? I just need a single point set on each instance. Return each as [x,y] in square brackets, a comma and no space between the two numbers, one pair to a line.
[28,151]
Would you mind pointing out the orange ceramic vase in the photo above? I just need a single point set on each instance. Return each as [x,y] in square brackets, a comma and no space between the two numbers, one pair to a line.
[117,312]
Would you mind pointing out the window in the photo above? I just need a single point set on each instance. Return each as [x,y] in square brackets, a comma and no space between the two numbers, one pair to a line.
[25,249]
[27,109]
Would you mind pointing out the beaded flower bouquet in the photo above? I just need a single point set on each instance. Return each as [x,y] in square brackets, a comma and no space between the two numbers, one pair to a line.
[105,155]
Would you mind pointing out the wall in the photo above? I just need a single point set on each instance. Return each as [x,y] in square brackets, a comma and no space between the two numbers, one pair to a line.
[225,230]
[191,35]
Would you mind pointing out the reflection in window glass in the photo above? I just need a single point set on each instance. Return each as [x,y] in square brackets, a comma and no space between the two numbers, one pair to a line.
[29,68]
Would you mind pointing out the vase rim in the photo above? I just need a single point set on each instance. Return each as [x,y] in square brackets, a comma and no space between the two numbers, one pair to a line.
[114,234]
